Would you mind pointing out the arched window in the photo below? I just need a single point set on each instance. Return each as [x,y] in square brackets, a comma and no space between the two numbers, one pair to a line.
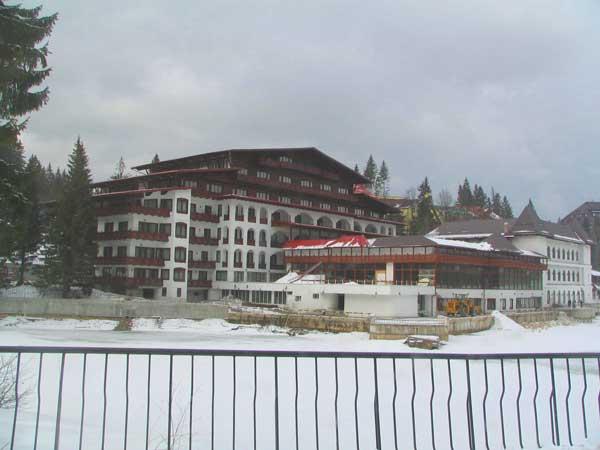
[569,275]
[554,275]
[251,214]
[239,212]
[237,258]
[548,275]
[262,260]
[548,298]
[262,238]
[325,221]
[250,237]
[250,259]
[357,226]
[564,277]
[239,236]
[563,253]
[553,252]
[264,217]
[559,275]
[548,251]
[577,276]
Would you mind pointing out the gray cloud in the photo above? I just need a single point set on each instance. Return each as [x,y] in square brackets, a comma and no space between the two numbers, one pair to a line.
[505,93]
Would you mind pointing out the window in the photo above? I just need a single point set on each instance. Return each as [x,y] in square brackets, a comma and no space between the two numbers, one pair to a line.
[285,159]
[306,183]
[215,188]
[107,252]
[178,292]
[108,227]
[180,230]
[182,205]
[164,292]
[120,272]
[262,195]
[165,228]
[315,295]
[326,187]
[279,298]
[122,251]
[325,206]
[151,203]
[164,274]
[148,227]
[284,179]
[306,203]
[106,272]
[343,190]
[263,174]
[221,275]
[178,274]
[123,226]
[343,209]
[243,171]
[166,203]
[180,254]
[240,191]
[359,212]
[284,199]
[238,276]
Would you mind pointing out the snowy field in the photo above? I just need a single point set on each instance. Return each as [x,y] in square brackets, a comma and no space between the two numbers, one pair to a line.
[334,430]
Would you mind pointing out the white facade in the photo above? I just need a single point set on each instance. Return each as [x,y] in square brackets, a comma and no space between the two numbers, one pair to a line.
[237,249]
[569,275]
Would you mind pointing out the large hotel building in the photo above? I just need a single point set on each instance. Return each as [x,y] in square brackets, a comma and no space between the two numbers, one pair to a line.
[193,227]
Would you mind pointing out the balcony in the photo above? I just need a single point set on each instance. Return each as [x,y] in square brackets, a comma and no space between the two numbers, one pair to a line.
[262,265]
[130,282]
[226,217]
[239,218]
[252,219]
[238,241]
[128,261]
[277,267]
[224,264]
[251,242]
[275,244]
[225,241]
[237,264]
[298,167]
[132,209]
[201,240]
[264,220]
[199,283]
[123,235]
[250,265]
[204,217]
[262,243]
[296,188]
[202,264]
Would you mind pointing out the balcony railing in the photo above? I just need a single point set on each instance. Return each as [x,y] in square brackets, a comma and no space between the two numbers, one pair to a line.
[298,167]
[204,217]
[250,265]
[275,244]
[264,220]
[200,283]
[277,266]
[128,261]
[238,241]
[201,264]
[122,235]
[201,240]
[237,264]
[252,219]
[296,188]
[251,242]
[126,397]
[262,265]
[225,241]
[133,209]
[239,218]
[262,243]
[129,282]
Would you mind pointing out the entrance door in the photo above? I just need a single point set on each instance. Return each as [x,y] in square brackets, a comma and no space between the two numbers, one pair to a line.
[341,300]
[491,304]
[148,293]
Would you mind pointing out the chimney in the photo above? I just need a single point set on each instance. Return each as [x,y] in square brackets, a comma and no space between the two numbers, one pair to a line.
[505,227]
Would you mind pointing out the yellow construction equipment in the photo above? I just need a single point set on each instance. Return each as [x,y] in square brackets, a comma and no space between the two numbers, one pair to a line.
[460,305]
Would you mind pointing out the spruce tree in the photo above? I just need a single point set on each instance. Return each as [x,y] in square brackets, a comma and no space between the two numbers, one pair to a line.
[382,184]
[28,233]
[425,220]
[356,169]
[479,197]
[507,211]
[371,171]
[72,236]
[496,204]
[465,196]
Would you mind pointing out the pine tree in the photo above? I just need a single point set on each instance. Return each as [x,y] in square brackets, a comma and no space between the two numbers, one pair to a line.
[24,66]
[72,235]
[382,183]
[28,233]
[496,204]
[371,171]
[479,197]
[507,211]
[465,196]
[425,219]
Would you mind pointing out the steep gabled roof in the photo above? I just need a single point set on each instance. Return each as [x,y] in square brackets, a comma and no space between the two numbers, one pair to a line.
[528,221]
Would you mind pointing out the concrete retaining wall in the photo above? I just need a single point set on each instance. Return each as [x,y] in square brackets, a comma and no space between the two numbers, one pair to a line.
[464,325]
[390,329]
[585,314]
[111,308]
[337,324]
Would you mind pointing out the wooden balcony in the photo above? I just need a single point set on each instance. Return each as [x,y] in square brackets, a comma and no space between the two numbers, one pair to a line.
[199,283]
[277,244]
[264,220]
[277,267]
[204,217]
[202,264]
[262,265]
[250,264]
[128,261]
[129,282]
[239,241]
[297,188]
[269,162]
[132,209]
[123,235]
[251,242]
[201,240]
[262,243]
[239,218]
[252,219]
[237,264]
[225,241]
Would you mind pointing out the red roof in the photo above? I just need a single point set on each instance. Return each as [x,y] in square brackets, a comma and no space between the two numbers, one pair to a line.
[342,241]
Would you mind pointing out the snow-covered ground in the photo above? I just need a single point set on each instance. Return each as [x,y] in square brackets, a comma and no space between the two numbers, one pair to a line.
[506,337]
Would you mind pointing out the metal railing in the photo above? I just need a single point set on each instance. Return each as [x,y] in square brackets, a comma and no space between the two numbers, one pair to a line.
[150,398]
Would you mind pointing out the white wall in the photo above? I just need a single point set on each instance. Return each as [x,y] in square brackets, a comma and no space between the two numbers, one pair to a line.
[382,305]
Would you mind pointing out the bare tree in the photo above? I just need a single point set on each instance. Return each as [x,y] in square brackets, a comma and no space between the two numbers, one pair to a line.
[8,383]
[411,193]
[445,198]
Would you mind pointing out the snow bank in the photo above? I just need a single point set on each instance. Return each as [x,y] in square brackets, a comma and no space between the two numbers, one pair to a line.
[288,277]
[502,322]
[57,324]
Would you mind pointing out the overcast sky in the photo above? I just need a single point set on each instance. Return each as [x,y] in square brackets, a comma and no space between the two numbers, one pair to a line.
[506,93]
